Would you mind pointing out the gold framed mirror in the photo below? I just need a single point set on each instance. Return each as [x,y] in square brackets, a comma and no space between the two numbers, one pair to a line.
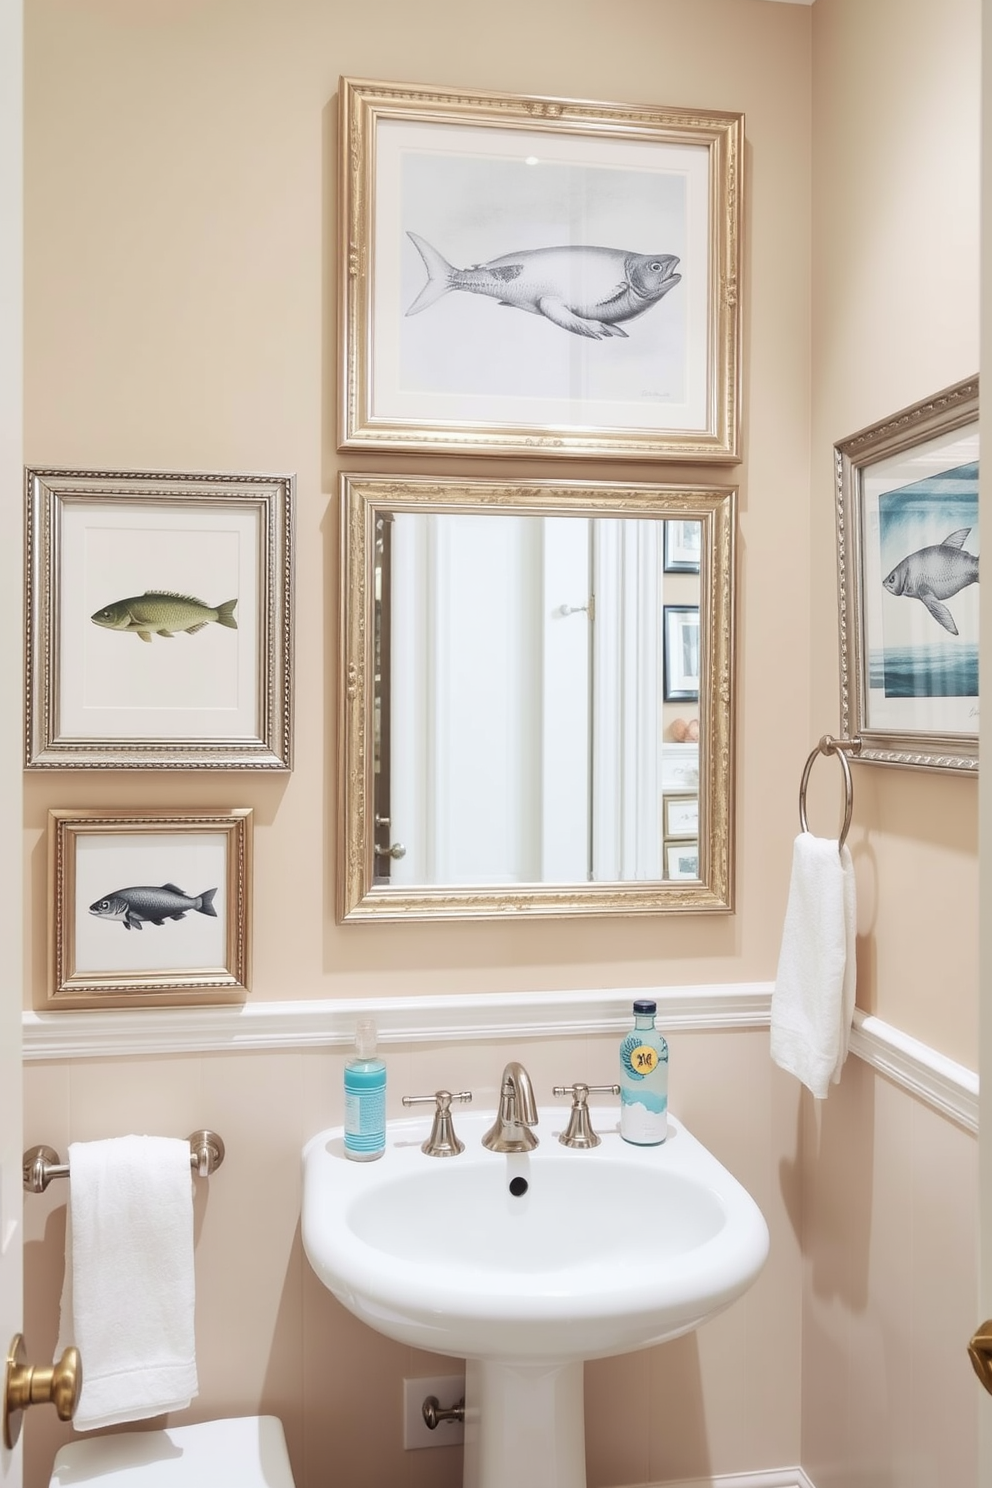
[537,703]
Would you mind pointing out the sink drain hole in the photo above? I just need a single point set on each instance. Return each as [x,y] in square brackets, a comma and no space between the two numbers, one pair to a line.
[518,1187]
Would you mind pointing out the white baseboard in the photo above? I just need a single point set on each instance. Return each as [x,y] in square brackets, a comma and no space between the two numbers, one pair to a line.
[789,1477]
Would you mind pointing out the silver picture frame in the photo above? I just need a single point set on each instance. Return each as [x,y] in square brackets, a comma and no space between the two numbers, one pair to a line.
[681,547]
[681,654]
[908,546]
[159,620]
[632,214]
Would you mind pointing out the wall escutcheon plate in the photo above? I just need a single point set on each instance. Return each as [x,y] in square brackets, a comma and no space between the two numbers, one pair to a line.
[449,1389]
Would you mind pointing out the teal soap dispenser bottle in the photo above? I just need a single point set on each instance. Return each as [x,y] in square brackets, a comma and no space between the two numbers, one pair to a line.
[365,1097]
[644,1079]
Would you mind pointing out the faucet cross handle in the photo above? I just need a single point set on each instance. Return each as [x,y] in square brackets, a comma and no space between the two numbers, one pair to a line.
[442,1141]
[579,1132]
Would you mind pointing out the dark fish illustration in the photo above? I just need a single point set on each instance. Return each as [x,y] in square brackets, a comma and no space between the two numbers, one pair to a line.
[584,290]
[132,907]
[935,573]
[157,612]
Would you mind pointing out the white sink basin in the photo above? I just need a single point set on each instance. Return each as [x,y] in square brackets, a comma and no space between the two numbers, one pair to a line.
[608,1250]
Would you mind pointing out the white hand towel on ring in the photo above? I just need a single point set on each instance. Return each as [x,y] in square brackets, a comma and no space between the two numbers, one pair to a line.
[128,1294]
[813,999]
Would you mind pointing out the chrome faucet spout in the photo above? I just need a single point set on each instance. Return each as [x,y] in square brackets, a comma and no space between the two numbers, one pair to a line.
[518,1090]
[517,1114]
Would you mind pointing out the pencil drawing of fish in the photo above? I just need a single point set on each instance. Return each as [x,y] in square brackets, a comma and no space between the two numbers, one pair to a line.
[588,291]
[936,573]
[143,904]
[158,612]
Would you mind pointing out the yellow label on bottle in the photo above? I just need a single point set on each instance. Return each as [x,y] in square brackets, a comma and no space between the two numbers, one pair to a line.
[644,1059]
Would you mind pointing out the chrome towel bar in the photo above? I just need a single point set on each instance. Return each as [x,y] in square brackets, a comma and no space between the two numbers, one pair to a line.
[42,1164]
[841,748]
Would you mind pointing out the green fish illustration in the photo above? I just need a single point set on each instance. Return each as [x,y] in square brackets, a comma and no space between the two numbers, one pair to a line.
[157,612]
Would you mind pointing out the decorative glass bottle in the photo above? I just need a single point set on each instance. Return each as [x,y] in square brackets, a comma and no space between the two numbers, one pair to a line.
[644,1079]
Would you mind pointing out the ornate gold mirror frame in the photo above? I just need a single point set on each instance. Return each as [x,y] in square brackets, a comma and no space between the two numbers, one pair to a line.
[365,501]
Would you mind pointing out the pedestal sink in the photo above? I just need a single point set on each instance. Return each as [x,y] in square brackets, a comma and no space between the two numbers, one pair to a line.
[527,1265]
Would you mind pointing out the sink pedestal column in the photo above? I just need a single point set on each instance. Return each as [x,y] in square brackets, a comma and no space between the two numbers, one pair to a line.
[524,1425]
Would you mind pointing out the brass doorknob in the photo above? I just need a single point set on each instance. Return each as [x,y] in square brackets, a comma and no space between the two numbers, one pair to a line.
[60,1384]
[980,1353]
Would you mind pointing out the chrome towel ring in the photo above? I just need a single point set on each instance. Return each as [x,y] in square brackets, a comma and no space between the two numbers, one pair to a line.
[841,748]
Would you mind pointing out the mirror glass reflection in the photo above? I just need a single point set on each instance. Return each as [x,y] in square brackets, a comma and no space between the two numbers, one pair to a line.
[539,697]
[521,686]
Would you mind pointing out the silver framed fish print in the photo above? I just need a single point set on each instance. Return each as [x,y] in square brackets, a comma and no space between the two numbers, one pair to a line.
[149,908]
[538,276]
[681,654]
[908,553]
[159,620]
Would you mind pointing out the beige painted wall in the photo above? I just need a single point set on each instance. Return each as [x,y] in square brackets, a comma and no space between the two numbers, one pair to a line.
[890,1189]
[182,252]
[896,93]
[890,1298]
[181,248]
[269,1336]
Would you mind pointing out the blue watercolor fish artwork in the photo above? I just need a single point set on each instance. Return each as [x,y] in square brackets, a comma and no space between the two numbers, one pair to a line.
[585,290]
[928,534]
[936,573]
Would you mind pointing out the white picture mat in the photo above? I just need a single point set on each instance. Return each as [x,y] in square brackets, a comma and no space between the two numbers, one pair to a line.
[467,359]
[192,861]
[903,620]
[112,685]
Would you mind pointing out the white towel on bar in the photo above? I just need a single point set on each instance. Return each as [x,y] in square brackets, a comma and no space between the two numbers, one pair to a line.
[127,1299]
[813,999]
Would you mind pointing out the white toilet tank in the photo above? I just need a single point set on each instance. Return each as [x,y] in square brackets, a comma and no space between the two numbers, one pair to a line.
[249,1451]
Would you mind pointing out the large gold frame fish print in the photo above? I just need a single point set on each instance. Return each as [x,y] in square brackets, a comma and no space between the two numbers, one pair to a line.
[615,227]
[908,553]
[150,908]
[159,620]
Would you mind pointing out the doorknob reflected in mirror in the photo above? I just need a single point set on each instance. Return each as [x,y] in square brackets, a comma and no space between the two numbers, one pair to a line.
[25,1384]
[980,1353]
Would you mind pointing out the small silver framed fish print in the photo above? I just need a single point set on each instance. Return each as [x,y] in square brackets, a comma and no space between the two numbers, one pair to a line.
[149,908]
[523,275]
[908,553]
[159,620]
